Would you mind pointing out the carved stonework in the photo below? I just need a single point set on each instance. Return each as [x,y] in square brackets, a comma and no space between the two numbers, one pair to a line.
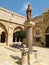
[46,16]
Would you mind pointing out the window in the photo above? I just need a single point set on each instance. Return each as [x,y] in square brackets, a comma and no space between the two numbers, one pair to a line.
[38,39]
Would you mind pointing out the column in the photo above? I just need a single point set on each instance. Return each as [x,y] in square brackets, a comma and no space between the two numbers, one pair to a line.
[15,39]
[29,38]
[10,36]
[10,39]
[29,42]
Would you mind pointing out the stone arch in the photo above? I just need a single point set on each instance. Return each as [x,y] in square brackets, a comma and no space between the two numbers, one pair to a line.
[3,29]
[18,28]
[47,36]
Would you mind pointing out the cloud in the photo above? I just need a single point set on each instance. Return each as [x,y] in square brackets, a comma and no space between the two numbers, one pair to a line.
[25,6]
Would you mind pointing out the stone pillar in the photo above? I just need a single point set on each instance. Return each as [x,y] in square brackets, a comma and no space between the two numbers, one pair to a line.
[29,38]
[10,39]
[29,27]
[29,30]
[30,43]
[15,39]
[10,36]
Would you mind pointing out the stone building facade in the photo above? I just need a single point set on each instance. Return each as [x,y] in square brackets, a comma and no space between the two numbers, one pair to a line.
[11,22]
[41,29]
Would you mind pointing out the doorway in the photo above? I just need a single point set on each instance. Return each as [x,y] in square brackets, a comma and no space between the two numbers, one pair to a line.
[47,40]
[3,37]
[47,37]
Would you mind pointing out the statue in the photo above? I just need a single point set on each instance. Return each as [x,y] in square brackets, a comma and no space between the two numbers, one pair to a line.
[29,12]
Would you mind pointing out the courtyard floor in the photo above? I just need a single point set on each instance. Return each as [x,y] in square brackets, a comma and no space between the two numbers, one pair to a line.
[11,56]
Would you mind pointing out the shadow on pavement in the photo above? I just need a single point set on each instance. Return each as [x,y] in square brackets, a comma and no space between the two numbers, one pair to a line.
[18,62]
[18,59]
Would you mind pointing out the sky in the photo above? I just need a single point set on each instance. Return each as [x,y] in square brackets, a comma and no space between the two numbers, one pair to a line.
[20,6]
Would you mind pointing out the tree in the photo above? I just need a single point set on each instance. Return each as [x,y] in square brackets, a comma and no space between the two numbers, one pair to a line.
[20,34]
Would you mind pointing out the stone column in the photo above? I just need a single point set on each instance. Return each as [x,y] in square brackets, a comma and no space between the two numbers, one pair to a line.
[29,38]
[10,39]
[29,27]
[10,36]
[29,30]
[30,43]
[15,39]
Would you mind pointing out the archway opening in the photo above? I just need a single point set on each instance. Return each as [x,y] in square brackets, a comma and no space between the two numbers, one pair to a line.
[47,37]
[3,37]
[16,39]
[3,34]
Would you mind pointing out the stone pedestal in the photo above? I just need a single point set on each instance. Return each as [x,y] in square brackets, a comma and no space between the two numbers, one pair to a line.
[24,56]
[33,57]
[29,58]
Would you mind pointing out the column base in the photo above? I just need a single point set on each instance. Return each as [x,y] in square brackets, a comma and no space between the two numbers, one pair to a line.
[24,56]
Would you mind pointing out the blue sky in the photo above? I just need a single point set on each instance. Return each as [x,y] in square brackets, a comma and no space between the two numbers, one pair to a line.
[19,6]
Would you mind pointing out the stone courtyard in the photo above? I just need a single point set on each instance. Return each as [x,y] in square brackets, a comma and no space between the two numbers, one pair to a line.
[37,33]
[12,56]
